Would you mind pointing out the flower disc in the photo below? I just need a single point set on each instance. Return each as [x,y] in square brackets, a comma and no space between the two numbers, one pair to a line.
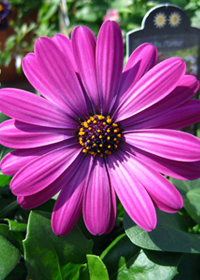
[99,135]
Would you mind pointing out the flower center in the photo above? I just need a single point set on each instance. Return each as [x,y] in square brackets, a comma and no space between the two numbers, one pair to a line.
[99,135]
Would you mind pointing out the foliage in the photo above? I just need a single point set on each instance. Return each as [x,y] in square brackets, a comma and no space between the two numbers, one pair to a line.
[168,252]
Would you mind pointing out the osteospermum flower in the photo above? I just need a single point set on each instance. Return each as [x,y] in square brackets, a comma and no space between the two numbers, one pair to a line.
[100,130]
[5,9]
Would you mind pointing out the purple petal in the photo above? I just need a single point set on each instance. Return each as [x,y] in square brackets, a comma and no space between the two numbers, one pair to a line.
[34,200]
[84,45]
[42,171]
[182,93]
[152,87]
[30,108]
[41,84]
[15,134]
[130,191]
[109,62]
[97,199]
[68,207]
[113,211]
[52,60]
[17,159]
[170,144]
[183,116]
[65,46]
[176,169]
[163,193]
[140,62]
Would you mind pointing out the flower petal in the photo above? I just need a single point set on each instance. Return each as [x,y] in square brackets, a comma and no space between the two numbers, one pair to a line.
[170,144]
[68,206]
[186,88]
[65,46]
[180,117]
[17,159]
[84,45]
[140,62]
[175,169]
[15,134]
[152,87]
[97,199]
[42,171]
[165,196]
[113,210]
[130,191]
[34,200]
[41,84]
[109,63]
[50,59]
[31,108]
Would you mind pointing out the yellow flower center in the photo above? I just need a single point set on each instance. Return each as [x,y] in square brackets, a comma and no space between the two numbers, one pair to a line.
[99,135]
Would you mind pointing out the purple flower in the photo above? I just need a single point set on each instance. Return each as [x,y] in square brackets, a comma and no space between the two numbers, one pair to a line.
[5,9]
[100,130]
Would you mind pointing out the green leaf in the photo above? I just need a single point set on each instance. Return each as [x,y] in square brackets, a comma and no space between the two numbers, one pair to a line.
[84,273]
[120,247]
[3,118]
[69,271]
[184,187]
[150,266]
[194,198]
[46,254]
[4,180]
[15,238]
[9,257]
[118,4]
[97,268]
[15,226]
[169,235]
[87,13]
[6,233]
[10,43]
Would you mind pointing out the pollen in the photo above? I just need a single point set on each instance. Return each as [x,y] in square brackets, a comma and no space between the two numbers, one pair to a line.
[99,135]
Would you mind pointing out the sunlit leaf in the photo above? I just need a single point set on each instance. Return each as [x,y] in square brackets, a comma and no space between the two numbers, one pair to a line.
[97,268]
[184,187]
[15,226]
[170,234]
[46,254]
[4,180]
[194,198]
[150,266]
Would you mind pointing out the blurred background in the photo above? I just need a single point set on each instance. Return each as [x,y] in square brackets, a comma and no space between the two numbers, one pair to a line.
[23,21]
